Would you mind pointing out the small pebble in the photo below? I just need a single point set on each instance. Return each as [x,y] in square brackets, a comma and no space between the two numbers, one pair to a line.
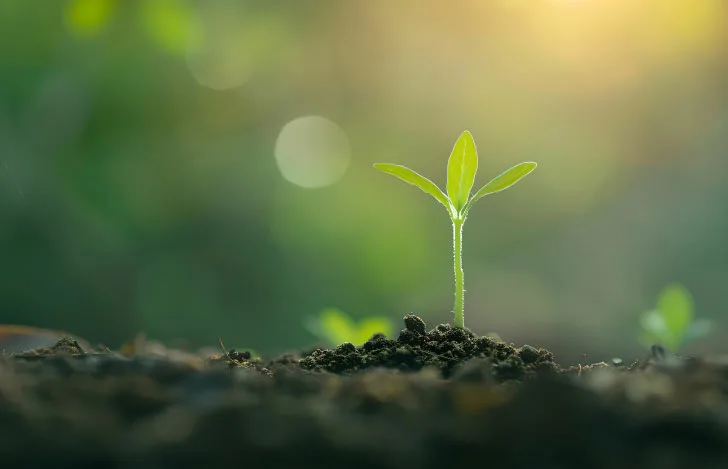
[529,354]
[415,324]
[346,348]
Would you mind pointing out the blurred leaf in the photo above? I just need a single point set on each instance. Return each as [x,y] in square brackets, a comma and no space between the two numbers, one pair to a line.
[655,330]
[504,180]
[88,17]
[672,323]
[699,328]
[374,325]
[336,326]
[677,308]
[654,323]
[411,177]
[461,169]
[173,24]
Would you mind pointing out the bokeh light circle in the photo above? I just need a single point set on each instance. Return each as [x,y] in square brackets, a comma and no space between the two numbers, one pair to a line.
[312,151]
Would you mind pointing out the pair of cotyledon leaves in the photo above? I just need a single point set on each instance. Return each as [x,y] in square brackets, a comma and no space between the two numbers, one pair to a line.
[461,169]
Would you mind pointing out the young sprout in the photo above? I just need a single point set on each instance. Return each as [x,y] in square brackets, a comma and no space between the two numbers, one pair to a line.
[461,169]
[672,323]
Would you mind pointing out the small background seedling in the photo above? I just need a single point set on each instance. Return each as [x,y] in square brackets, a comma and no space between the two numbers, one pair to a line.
[461,169]
[672,323]
[335,327]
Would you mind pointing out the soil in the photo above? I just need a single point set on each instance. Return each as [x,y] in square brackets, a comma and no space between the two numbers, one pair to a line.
[443,398]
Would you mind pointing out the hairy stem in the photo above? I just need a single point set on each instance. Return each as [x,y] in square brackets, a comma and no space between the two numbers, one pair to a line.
[457,235]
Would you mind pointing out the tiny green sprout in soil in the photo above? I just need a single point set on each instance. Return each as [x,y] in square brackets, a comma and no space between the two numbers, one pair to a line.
[461,169]
[672,324]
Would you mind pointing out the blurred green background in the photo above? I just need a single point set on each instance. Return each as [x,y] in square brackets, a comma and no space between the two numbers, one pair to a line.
[198,170]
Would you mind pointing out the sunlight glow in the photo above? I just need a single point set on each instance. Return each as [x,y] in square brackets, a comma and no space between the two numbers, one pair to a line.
[312,151]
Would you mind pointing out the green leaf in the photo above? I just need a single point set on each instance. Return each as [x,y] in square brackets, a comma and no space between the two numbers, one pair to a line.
[411,177]
[671,323]
[336,326]
[677,308]
[505,180]
[461,169]
[373,325]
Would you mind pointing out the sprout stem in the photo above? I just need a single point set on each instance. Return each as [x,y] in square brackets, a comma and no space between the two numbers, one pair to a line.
[457,234]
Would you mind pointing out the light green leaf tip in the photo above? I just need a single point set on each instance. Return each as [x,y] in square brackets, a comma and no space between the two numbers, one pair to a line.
[461,169]
[503,181]
[411,177]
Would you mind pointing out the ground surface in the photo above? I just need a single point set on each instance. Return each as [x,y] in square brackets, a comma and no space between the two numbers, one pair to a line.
[438,399]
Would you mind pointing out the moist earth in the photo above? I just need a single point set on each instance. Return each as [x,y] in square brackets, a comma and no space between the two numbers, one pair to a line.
[443,398]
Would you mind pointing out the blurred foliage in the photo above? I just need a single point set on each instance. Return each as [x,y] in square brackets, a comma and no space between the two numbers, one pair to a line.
[139,186]
[88,17]
[335,327]
[672,323]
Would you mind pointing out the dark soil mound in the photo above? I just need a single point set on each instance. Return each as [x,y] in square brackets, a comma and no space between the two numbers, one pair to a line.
[438,399]
[444,348]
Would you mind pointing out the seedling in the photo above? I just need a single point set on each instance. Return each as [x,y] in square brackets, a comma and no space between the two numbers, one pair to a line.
[672,323]
[336,327]
[461,169]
